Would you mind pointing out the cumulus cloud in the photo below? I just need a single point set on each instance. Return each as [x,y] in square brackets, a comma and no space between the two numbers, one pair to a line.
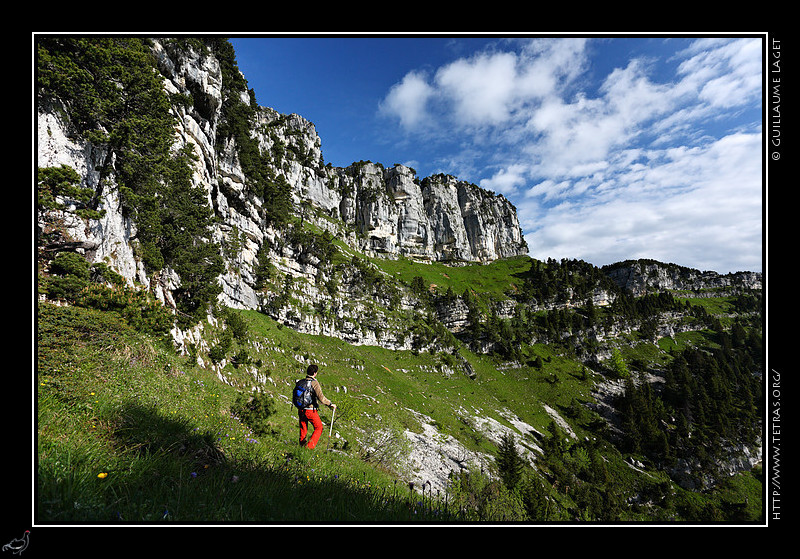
[481,89]
[408,100]
[694,206]
[638,164]
[506,180]
[487,88]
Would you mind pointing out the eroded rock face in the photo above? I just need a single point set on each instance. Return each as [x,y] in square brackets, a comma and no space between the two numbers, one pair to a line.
[437,219]
[376,210]
[646,276]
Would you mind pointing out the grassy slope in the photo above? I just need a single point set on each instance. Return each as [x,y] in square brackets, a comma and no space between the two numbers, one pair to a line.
[127,431]
[111,401]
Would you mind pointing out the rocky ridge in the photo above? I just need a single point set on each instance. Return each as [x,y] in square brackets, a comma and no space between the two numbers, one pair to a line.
[374,210]
[649,276]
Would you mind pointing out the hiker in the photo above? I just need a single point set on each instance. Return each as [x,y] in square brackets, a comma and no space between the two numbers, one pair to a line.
[309,412]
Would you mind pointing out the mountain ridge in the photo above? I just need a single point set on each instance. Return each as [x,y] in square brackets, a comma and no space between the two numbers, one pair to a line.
[376,211]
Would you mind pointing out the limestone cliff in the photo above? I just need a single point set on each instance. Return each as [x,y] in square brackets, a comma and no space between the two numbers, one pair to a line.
[648,276]
[375,210]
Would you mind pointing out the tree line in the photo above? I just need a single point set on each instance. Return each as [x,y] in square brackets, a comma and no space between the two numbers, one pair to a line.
[711,399]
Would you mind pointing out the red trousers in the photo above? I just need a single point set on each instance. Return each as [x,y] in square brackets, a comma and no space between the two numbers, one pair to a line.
[313,416]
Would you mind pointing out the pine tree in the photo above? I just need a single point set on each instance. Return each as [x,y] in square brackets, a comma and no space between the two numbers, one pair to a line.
[535,500]
[509,462]
[618,364]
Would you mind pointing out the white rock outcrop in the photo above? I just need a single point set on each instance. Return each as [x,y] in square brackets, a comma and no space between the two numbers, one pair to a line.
[376,210]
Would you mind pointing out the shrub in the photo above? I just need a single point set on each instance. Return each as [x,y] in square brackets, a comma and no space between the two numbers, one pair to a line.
[138,308]
[237,324]
[618,365]
[219,350]
[478,497]
[103,273]
[65,288]
[386,447]
[254,411]
[70,274]
[70,263]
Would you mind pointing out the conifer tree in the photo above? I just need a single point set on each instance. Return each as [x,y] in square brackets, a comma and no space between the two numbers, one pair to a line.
[509,462]
[618,364]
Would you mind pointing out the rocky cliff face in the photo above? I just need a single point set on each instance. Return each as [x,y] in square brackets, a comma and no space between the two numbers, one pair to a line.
[377,211]
[437,219]
[648,276]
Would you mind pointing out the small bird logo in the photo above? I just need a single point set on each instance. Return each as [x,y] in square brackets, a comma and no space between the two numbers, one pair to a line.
[18,545]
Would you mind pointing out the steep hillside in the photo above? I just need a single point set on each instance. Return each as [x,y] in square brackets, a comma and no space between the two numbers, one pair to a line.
[513,389]
[435,421]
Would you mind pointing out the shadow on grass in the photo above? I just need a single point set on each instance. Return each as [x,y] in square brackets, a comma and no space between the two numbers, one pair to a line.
[169,471]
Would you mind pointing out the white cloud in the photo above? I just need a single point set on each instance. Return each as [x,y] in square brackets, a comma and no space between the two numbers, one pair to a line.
[723,73]
[408,100]
[488,88]
[506,181]
[481,89]
[632,97]
[550,189]
[698,207]
[547,67]
[570,137]
[633,167]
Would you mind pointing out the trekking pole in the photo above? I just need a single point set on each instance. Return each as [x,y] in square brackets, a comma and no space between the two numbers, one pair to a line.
[330,432]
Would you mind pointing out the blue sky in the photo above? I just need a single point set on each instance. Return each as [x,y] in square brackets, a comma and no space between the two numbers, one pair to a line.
[610,147]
